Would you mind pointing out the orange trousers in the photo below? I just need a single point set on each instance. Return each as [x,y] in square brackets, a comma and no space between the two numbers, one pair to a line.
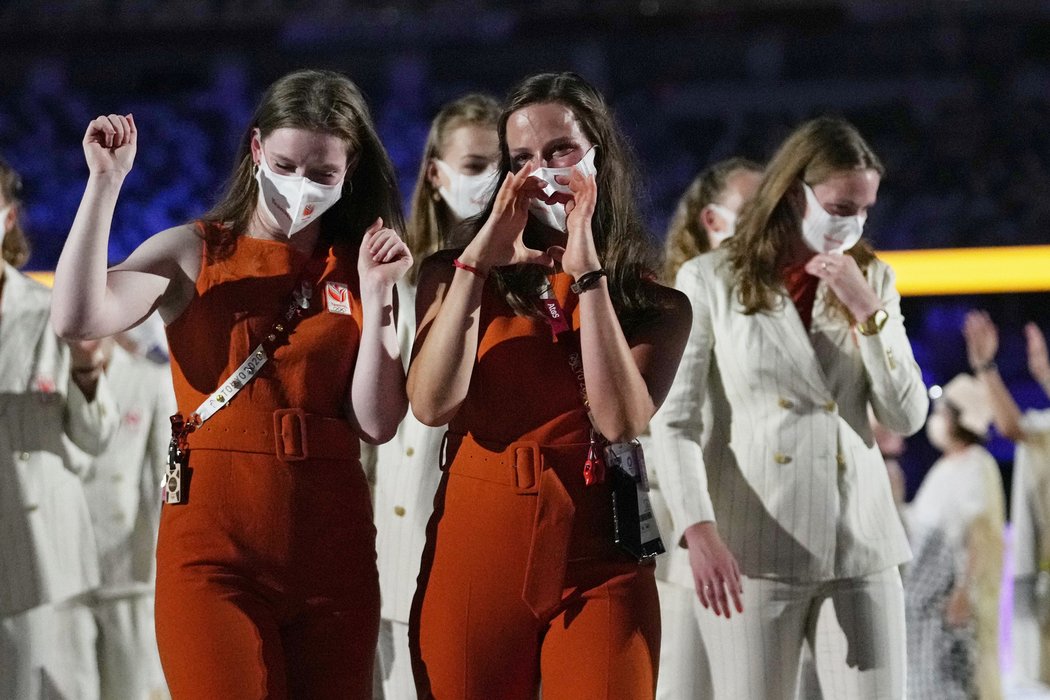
[266,580]
[474,636]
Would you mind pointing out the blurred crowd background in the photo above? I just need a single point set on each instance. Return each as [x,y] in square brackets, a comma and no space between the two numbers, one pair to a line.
[954,96]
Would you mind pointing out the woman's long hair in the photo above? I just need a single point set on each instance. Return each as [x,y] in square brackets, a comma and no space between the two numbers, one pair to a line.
[622,242]
[686,236]
[430,221]
[15,243]
[770,223]
[326,102]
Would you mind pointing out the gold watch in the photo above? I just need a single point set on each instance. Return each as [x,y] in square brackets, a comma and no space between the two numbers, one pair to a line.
[874,323]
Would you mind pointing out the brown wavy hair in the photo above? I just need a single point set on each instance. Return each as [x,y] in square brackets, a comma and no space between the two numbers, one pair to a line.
[326,102]
[430,222]
[15,245]
[686,235]
[770,223]
[624,246]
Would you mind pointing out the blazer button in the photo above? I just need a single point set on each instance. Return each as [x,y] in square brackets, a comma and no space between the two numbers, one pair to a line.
[841,459]
[781,458]
[829,407]
[24,456]
[399,511]
[785,403]
[409,452]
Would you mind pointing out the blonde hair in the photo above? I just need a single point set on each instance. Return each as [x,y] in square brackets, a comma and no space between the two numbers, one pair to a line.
[686,236]
[15,243]
[430,222]
[771,222]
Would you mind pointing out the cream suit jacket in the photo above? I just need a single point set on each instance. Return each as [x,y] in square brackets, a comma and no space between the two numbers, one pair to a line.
[791,472]
[47,551]
[122,484]
[406,476]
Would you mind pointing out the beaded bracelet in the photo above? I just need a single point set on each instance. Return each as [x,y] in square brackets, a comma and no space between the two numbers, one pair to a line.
[469,268]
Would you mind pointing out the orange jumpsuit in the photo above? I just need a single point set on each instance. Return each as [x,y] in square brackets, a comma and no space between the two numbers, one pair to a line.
[521,581]
[266,574]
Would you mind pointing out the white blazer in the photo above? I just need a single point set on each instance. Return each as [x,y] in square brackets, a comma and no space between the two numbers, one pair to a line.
[47,551]
[1030,494]
[122,484]
[406,472]
[791,472]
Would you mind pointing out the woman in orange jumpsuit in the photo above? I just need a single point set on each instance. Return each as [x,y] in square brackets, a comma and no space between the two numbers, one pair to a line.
[521,582]
[266,581]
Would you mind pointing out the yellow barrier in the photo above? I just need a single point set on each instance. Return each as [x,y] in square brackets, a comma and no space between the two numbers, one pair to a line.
[944,271]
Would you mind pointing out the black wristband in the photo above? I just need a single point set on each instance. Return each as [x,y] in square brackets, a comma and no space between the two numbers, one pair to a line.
[986,367]
[588,280]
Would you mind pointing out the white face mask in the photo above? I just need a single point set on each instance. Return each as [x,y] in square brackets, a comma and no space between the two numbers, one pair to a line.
[729,216]
[553,215]
[3,220]
[293,201]
[937,431]
[826,233]
[466,195]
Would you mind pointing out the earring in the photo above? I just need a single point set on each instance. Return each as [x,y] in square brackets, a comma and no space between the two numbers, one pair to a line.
[436,196]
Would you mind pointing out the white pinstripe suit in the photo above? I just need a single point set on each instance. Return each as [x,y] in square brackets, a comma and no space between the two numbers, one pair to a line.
[406,479]
[47,551]
[791,471]
[122,487]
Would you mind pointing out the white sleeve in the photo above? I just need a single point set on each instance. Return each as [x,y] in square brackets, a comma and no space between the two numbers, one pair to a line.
[678,425]
[898,395]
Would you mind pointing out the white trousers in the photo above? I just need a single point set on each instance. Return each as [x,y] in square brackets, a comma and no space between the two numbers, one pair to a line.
[48,653]
[393,662]
[855,628]
[684,672]
[129,665]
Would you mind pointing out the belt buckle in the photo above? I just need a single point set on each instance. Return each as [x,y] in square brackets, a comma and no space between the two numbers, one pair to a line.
[526,458]
[297,435]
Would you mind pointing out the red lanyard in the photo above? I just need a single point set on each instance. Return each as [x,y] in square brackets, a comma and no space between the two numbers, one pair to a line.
[561,331]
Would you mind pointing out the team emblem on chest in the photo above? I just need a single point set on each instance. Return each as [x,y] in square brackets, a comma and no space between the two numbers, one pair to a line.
[337,298]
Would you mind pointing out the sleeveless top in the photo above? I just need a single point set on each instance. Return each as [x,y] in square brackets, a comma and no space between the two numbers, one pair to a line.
[523,387]
[237,300]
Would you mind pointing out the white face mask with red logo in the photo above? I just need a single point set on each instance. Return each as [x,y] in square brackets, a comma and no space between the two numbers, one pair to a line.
[293,201]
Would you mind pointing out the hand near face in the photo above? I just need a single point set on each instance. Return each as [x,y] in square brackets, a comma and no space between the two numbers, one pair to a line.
[843,276]
[1038,359]
[579,256]
[110,144]
[383,257]
[499,242]
[982,338]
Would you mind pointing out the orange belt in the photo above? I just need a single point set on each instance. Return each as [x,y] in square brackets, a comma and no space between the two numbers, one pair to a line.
[521,465]
[289,433]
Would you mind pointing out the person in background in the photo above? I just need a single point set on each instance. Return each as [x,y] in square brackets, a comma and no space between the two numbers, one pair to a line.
[705,217]
[796,331]
[280,307]
[123,492]
[1030,492]
[536,370]
[54,401]
[706,214]
[456,179]
[955,524]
